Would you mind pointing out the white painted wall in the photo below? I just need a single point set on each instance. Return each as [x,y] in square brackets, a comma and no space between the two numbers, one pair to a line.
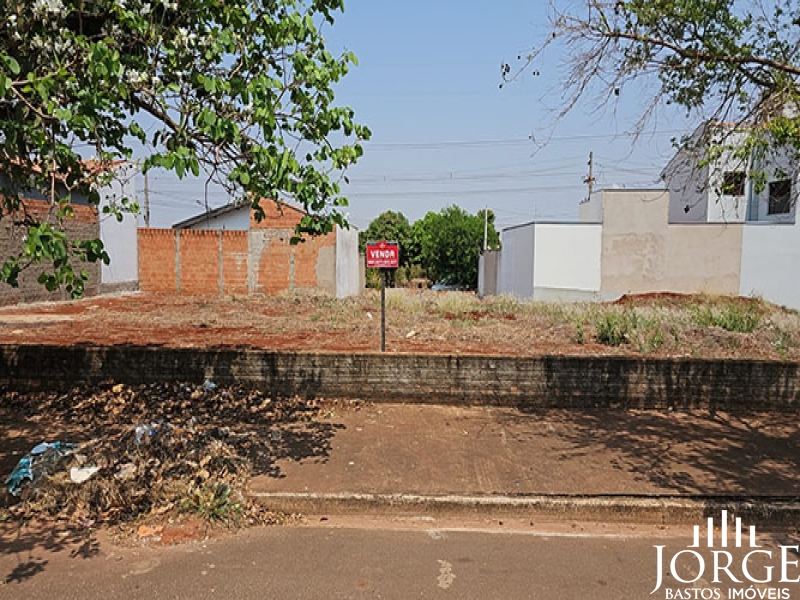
[591,210]
[348,280]
[784,169]
[726,208]
[770,255]
[119,239]
[235,220]
[567,257]
[516,261]
[687,185]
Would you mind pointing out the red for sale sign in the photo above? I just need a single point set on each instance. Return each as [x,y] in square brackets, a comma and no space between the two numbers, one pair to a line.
[383,255]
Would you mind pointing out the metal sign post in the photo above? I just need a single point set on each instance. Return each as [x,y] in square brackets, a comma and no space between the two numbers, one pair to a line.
[383,310]
[383,255]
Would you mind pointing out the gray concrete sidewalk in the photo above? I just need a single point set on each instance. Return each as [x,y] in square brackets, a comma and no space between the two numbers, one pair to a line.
[480,451]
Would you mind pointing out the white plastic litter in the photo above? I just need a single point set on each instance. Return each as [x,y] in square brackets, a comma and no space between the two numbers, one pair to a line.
[81,474]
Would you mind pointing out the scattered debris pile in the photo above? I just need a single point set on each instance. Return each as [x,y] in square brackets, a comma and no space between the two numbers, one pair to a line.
[160,448]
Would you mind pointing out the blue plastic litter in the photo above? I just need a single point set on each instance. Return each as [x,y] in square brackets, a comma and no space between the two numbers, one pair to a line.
[144,432]
[41,460]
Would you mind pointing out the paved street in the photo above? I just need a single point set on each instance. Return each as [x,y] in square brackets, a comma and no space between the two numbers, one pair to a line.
[336,558]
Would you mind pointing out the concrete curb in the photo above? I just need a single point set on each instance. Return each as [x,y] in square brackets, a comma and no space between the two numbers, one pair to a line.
[666,510]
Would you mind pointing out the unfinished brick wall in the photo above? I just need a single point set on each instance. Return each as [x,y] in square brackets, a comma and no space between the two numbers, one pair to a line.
[83,225]
[199,261]
[271,263]
[276,216]
[234,262]
[157,260]
[277,266]
[208,262]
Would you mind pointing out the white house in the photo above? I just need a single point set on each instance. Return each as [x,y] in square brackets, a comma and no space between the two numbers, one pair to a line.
[720,189]
[711,231]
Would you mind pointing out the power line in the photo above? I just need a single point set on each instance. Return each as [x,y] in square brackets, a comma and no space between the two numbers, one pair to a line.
[452,177]
[436,145]
[453,193]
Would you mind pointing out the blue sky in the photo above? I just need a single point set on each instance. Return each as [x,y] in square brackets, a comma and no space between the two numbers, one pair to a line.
[444,133]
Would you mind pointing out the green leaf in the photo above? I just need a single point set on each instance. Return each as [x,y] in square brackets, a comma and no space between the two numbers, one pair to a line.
[205,85]
[12,65]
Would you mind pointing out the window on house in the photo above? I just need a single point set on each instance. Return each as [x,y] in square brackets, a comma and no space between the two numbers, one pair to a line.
[733,183]
[780,197]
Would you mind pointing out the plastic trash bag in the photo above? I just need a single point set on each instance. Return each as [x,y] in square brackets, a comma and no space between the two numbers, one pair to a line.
[41,460]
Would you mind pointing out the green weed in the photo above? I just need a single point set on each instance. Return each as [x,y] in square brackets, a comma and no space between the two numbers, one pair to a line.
[649,335]
[733,317]
[580,336]
[783,344]
[613,328]
[213,502]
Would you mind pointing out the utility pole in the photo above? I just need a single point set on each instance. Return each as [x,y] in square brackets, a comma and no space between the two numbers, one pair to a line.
[590,178]
[146,202]
[485,227]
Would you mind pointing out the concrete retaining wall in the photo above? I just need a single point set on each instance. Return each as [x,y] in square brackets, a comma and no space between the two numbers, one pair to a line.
[528,383]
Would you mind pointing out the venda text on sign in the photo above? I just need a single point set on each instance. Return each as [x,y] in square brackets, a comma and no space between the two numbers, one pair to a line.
[383,255]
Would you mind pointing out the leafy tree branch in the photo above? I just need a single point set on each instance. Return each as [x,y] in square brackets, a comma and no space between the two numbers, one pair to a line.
[240,89]
[721,60]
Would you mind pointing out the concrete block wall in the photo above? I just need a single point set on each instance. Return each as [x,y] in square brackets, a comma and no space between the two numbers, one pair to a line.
[581,383]
[83,225]
[348,262]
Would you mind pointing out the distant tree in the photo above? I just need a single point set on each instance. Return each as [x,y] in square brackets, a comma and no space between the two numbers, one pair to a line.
[391,226]
[721,60]
[240,89]
[450,244]
[394,227]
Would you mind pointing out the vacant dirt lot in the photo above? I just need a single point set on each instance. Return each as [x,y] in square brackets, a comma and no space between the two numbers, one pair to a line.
[656,325]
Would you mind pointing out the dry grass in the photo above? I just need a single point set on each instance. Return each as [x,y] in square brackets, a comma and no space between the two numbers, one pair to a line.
[453,322]
[701,326]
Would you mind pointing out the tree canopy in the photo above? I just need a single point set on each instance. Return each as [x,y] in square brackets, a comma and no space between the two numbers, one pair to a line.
[725,60]
[450,244]
[239,90]
[391,226]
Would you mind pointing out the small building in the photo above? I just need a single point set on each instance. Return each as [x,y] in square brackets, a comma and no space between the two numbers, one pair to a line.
[734,239]
[228,251]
